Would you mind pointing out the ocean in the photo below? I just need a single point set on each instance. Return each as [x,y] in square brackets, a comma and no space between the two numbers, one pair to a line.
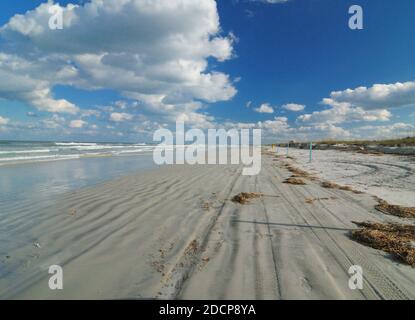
[14,152]
[36,172]
[32,180]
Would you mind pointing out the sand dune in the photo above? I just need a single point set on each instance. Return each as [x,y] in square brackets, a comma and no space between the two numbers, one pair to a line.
[175,233]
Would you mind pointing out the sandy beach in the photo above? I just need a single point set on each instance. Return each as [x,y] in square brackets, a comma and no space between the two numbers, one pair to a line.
[173,232]
[390,177]
[224,151]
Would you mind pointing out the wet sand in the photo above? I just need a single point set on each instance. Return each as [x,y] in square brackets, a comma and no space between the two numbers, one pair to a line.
[174,233]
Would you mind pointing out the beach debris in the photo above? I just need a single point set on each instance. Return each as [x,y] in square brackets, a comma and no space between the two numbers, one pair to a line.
[294,180]
[158,266]
[205,205]
[72,211]
[311,200]
[395,239]
[37,245]
[297,172]
[192,247]
[204,261]
[395,210]
[371,152]
[159,262]
[332,185]
[246,197]
[357,191]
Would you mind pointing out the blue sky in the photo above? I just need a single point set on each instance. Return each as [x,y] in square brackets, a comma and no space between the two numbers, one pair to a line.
[117,71]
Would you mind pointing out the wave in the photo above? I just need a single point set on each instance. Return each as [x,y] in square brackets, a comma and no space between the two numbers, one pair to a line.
[128,151]
[88,147]
[36,152]
[27,151]
[58,157]
[74,144]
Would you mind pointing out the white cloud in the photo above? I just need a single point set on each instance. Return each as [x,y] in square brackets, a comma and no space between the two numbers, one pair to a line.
[341,112]
[54,122]
[121,104]
[265,108]
[379,96]
[77,124]
[136,47]
[15,86]
[324,130]
[90,113]
[279,130]
[398,129]
[278,125]
[293,107]
[363,104]
[3,121]
[119,117]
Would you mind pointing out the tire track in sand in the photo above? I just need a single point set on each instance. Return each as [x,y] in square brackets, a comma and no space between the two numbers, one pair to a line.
[380,284]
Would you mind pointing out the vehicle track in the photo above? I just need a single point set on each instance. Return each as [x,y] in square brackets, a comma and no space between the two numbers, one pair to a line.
[378,281]
[183,268]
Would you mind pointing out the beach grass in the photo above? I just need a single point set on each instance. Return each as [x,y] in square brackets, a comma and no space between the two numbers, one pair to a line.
[408,141]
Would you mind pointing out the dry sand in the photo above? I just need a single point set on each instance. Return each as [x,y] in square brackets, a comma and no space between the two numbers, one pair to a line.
[175,233]
[389,177]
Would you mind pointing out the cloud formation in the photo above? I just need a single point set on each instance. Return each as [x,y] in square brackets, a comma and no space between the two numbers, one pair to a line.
[379,96]
[293,107]
[343,113]
[119,117]
[264,108]
[76,124]
[3,121]
[145,50]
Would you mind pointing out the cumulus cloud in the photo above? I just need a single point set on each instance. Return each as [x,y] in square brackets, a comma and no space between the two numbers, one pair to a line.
[341,112]
[363,104]
[293,107]
[76,124]
[379,96]
[265,108]
[120,116]
[278,125]
[90,113]
[398,129]
[326,130]
[280,130]
[16,84]
[3,121]
[54,122]
[138,48]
